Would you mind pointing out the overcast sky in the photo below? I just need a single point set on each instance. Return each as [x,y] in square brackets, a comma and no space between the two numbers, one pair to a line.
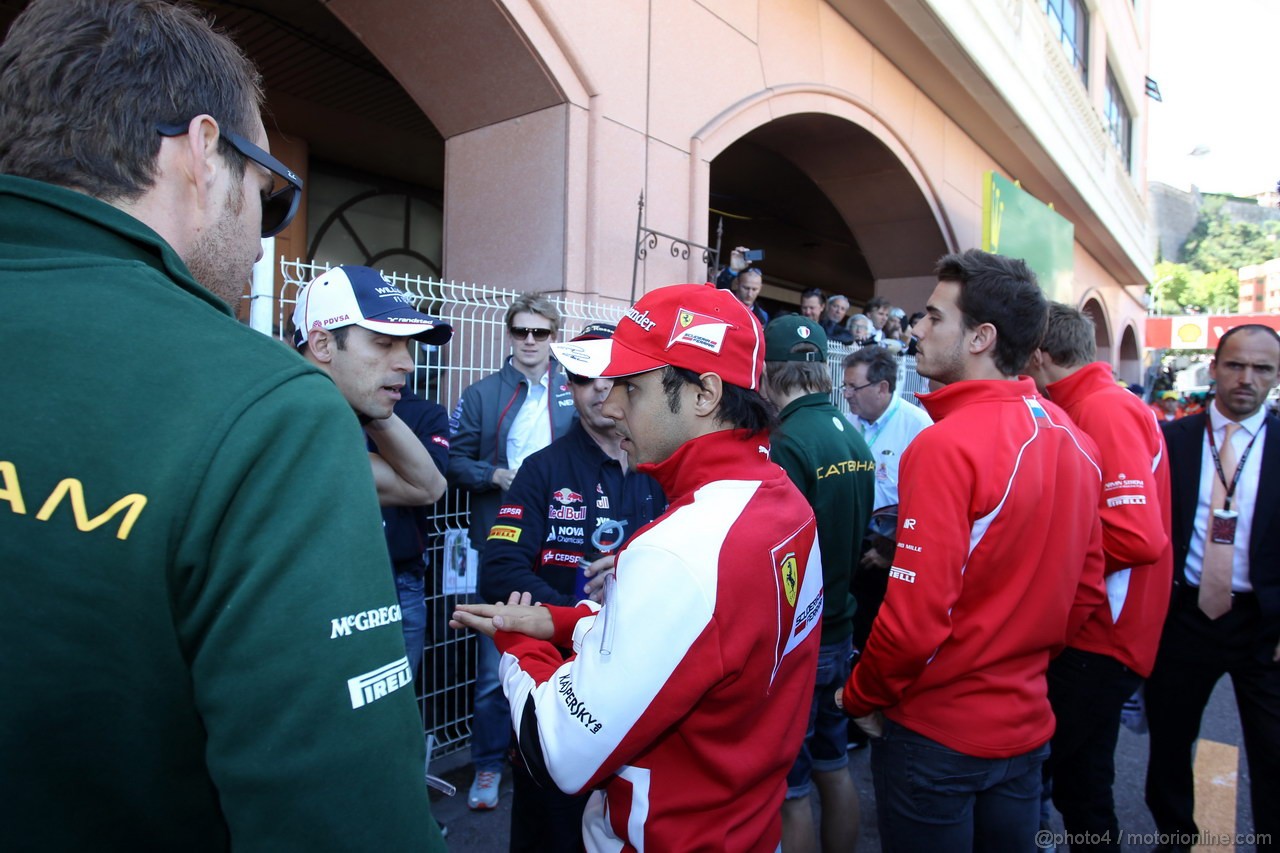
[1218,66]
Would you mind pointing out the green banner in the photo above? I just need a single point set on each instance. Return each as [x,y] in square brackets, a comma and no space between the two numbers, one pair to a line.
[1016,224]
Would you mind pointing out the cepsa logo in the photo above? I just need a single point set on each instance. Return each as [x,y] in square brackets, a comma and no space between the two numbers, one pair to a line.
[560,558]
[511,511]
[566,496]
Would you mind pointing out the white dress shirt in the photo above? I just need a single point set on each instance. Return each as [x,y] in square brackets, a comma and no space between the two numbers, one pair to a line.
[531,429]
[1242,501]
[887,436]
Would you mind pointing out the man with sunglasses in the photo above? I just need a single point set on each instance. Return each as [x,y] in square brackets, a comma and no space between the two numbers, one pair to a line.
[498,422]
[571,503]
[194,594]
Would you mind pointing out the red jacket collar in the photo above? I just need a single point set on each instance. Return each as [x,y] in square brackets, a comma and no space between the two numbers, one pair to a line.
[957,395]
[1087,380]
[724,455]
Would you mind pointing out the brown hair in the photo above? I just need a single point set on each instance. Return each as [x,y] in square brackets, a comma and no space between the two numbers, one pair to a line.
[1069,338]
[534,303]
[83,84]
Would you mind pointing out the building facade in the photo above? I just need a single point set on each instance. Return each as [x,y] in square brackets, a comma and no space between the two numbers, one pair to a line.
[509,142]
[1260,288]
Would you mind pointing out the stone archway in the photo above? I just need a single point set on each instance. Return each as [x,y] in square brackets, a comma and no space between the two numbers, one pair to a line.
[500,95]
[1093,307]
[831,192]
[1129,367]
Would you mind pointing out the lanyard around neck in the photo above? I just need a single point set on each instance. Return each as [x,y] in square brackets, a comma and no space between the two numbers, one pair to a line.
[1217,463]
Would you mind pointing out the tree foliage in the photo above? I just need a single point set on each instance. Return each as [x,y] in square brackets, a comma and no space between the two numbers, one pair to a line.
[1215,250]
[1179,289]
[1221,243]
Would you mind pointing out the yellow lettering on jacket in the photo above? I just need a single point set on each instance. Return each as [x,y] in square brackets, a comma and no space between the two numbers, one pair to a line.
[848,466]
[11,491]
[73,489]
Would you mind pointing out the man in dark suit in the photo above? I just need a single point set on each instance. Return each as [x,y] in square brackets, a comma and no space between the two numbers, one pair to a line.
[1225,612]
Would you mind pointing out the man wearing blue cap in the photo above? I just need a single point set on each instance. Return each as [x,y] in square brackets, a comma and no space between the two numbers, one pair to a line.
[356,326]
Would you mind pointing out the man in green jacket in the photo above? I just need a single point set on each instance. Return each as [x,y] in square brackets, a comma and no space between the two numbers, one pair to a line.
[199,642]
[831,466]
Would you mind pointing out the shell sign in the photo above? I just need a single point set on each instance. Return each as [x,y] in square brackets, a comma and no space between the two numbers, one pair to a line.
[1199,331]
[1191,332]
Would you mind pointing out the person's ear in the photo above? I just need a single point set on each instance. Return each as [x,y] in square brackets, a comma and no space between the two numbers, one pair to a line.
[982,339]
[321,345]
[707,399]
[204,161]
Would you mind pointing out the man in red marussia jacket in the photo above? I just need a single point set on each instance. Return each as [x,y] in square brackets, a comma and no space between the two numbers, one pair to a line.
[999,563]
[688,694]
[1106,661]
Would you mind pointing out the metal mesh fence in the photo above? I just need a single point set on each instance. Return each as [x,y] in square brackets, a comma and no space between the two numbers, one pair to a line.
[479,345]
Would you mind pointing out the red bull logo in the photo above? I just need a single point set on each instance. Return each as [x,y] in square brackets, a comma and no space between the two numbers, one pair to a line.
[566,496]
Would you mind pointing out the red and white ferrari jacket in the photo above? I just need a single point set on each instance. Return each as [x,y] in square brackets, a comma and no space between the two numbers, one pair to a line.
[1135,516]
[691,714]
[999,563]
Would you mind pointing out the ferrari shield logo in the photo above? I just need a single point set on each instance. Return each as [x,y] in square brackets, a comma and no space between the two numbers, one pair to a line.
[790,578]
[686,318]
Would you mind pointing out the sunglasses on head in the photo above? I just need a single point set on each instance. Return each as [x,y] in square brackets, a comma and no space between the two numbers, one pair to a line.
[280,204]
[521,332]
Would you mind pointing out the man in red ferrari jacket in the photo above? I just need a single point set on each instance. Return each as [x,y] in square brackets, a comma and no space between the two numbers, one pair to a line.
[999,563]
[1106,661]
[688,694]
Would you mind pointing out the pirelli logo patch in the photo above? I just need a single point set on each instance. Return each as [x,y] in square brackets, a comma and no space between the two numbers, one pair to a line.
[505,532]
[373,685]
[902,574]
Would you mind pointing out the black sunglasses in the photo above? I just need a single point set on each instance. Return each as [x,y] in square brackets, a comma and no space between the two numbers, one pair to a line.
[521,332]
[279,205]
[578,380]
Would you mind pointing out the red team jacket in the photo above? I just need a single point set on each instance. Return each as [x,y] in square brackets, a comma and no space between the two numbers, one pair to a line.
[1135,516]
[999,562]
[691,722]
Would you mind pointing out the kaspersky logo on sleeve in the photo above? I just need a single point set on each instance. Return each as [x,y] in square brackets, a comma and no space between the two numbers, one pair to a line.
[380,682]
